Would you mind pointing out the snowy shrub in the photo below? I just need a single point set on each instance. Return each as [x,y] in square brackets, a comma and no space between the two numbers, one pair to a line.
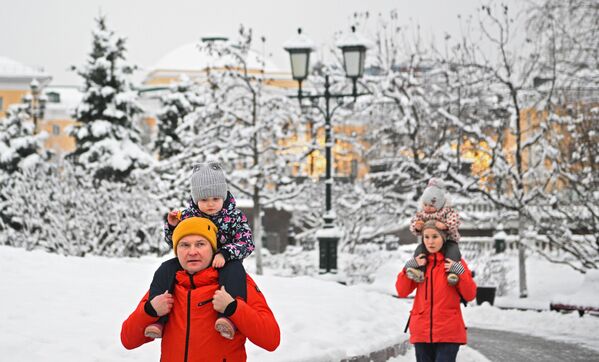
[491,270]
[63,213]
[294,261]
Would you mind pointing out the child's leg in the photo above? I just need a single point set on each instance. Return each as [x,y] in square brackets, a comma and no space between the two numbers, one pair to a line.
[452,251]
[233,277]
[421,249]
[164,279]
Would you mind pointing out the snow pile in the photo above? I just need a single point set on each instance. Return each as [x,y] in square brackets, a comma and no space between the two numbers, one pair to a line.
[586,296]
[72,308]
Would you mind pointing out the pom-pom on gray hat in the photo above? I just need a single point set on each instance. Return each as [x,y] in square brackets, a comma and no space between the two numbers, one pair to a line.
[434,194]
[208,180]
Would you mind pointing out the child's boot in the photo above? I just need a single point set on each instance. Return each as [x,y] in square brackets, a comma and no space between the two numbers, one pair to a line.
[225,327]
[154,330]
[452,279]
[415,274]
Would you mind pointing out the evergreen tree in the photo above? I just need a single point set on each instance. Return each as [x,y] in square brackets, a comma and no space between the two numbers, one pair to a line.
[176,105]
[108,143]
[20,149]
[19,146]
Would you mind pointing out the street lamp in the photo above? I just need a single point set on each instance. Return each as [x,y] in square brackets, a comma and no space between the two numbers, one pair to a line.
[500,238]
[36,104]
[354,52]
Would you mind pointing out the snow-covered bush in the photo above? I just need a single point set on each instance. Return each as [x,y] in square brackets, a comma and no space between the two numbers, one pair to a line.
[491,270]
[72,215]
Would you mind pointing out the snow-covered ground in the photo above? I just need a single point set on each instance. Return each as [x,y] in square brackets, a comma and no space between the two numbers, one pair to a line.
[546,282]
[71,309]
[58,308]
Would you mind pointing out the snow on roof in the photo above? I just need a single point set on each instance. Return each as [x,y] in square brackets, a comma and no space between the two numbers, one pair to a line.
[10,68]
[189,57]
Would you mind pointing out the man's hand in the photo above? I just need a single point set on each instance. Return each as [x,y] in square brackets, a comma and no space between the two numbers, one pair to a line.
[421,259]
[162,303]
[221,300]
[173,218]
[418,225]
[440,225]
[218,261]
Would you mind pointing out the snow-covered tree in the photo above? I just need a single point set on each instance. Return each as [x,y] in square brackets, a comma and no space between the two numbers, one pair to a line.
[107,139]
[569,81]
[506,132]
[249,127]
[406,137]
[180,101]
[20,148]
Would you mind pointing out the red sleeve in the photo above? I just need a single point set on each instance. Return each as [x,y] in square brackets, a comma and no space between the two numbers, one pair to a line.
[466,286]
[404,285]
[255,319]
[132,331]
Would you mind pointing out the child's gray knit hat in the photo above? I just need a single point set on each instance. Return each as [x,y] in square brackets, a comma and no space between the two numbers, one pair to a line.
[434,194]
[208,180]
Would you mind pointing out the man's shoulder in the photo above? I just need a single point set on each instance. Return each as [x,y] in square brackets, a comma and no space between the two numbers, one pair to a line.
[251,284]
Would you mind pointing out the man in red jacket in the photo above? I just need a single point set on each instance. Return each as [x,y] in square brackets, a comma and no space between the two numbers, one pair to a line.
[436,325]
[189,334]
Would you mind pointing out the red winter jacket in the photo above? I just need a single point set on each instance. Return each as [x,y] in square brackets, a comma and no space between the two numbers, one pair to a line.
[436,315]
[189,334]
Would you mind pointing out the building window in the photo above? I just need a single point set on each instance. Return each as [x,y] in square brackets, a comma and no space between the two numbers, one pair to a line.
[55,129]
[53,97]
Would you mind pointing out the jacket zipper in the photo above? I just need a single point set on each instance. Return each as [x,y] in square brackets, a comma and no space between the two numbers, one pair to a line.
[188,317]
[432,270]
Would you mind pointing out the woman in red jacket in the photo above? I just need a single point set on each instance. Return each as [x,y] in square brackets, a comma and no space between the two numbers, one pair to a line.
[189,334]
[436,325]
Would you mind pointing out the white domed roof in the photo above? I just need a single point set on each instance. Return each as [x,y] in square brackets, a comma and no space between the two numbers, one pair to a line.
[12,68]
[189,57]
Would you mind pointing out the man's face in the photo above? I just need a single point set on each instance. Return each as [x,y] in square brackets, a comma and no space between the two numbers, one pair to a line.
[194,253]
[211,205]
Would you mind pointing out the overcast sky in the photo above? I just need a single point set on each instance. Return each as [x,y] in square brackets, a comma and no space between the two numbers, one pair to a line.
[55,34]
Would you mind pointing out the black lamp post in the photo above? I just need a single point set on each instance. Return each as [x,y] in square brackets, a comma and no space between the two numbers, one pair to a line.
[36,104]
[354,53]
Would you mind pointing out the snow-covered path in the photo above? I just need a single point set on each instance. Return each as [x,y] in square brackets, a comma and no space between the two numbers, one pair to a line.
[509,346]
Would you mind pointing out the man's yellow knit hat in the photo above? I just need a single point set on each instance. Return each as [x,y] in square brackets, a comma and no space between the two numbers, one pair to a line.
[195,226]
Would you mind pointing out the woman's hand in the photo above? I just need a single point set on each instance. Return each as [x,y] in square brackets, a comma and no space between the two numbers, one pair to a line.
[421,259]
[173,218]
[218,261]
[448,264]
[162,303]
[221,300]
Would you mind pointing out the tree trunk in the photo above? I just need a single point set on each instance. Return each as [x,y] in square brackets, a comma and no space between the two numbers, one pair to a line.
[522,257]
[257,230]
